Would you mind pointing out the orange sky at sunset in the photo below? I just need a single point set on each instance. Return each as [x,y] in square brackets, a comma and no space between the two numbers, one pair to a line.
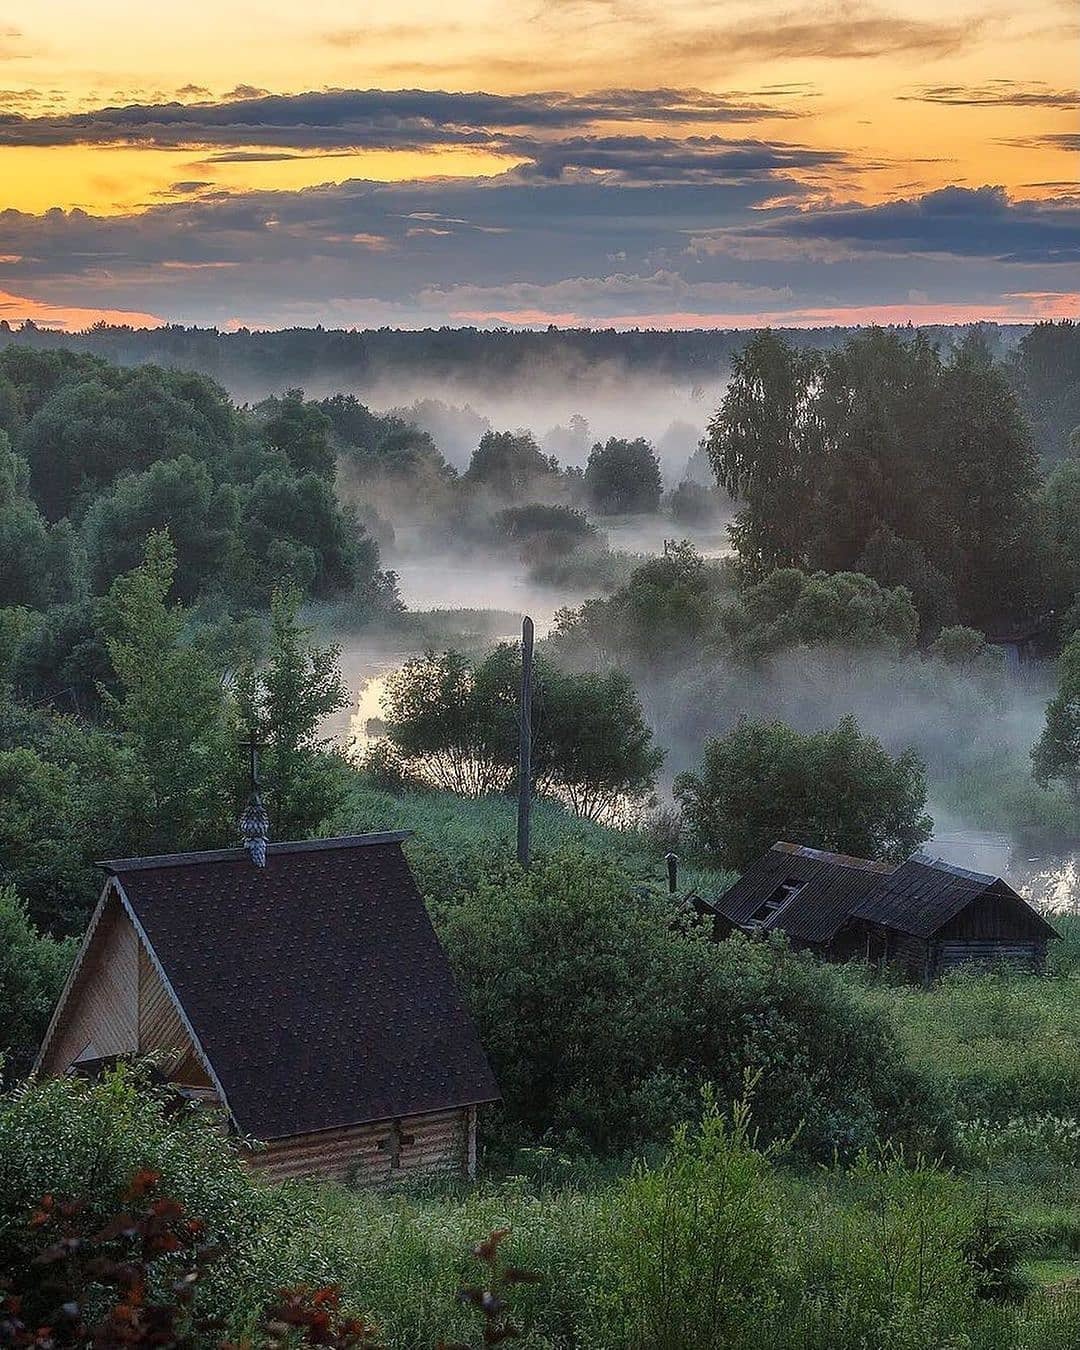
[703,134]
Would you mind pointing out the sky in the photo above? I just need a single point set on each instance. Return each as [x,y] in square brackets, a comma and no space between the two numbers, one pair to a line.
[661,163]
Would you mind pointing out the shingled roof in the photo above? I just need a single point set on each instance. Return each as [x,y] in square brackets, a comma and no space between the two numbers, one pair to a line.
[811,894]
[831,885]
[924,893]
[315,986]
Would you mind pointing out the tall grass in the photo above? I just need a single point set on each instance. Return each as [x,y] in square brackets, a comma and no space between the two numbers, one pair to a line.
[1001,1044]
[460,841]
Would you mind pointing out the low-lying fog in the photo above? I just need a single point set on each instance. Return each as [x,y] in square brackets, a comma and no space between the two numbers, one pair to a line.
[567,417]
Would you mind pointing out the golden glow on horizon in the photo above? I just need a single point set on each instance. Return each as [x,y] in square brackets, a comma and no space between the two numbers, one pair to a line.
[79,57]
[117,180]
[847,69]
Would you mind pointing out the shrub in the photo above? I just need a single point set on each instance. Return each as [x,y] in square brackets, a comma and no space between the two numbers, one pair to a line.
[694,1241]
[835,789]
[33,967]
[603,1015]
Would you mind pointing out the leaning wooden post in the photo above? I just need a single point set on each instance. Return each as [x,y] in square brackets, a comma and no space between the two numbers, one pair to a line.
[525,743]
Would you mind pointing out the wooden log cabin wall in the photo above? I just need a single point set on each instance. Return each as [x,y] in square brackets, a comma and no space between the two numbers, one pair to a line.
[308,1000]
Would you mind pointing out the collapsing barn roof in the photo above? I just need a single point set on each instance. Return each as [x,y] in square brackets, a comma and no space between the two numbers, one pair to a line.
[830,886]
[923,894]
[810,894]
[315,987]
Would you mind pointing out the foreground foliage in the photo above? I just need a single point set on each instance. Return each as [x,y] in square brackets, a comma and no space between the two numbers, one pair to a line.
[712,1246]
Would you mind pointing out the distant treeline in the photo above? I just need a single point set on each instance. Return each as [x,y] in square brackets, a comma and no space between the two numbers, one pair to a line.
[326,354]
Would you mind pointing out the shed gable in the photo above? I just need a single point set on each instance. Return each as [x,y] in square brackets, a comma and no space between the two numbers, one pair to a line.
[117,1004]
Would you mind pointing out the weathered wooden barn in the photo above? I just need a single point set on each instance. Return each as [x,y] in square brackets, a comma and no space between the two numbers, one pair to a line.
[925,916]
[300,989]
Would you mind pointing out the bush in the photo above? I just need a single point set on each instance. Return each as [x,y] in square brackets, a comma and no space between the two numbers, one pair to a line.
[603,1017]
[100,1254]
[837,790]
[694,1246]
[33,967]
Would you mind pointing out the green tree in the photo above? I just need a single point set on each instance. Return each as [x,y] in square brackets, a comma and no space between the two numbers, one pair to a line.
[593,748]
[878,460]
[509,464]
[788,608]
[541,532]
[294,532]
[301,431]
[966,649]
[692,503]
[1056,754]
[1045,371]
[178,495]
[880,456]
[33,967]
[893,561]
[283,703]
[666,609]
[95,427]
[43,839]
[170,713]
[837,790]
[63,659]
[454,724]
[38,562]
[765,447]
[623,477]
[987,453]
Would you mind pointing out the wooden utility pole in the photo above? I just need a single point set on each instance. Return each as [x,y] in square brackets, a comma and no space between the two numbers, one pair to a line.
[525,742]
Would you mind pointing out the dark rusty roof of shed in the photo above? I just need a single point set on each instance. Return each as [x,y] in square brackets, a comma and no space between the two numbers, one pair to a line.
[316,985]
[924,893]
[833,884]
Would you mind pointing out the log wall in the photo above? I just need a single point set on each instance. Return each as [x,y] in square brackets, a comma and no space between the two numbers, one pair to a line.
[443,1143]
[1029,955]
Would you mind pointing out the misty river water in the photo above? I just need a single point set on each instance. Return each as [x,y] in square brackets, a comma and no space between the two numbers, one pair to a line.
[431,582]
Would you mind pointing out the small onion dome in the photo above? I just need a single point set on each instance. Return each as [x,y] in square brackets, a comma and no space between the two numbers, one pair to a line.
[255,830]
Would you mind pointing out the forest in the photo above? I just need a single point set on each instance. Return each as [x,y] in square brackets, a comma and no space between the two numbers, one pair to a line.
[843,611]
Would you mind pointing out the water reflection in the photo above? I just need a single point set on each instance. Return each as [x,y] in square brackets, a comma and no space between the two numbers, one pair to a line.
[1048,878]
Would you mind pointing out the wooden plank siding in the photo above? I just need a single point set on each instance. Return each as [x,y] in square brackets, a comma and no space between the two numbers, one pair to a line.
[1030,955]
[100,1017]
[441,1143]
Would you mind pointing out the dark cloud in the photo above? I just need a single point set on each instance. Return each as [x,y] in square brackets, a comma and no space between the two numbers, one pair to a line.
[245,92]
[601,246]
[372,118]
[1055,140]
[997,94]
[664,159]
[954,222]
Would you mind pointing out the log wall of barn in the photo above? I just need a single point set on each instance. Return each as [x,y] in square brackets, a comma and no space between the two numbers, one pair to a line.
[439,1143]
[910,953]
[1030,955]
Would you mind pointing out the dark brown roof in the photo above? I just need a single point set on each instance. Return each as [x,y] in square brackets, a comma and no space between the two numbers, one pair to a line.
[923,894]
[832,885]
[316,986]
